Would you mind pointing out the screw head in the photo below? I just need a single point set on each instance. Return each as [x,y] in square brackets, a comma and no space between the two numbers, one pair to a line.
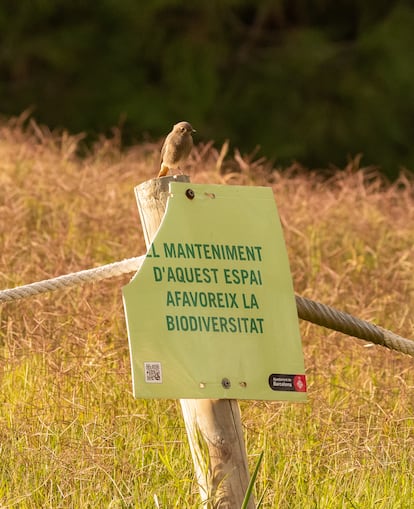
[190,194]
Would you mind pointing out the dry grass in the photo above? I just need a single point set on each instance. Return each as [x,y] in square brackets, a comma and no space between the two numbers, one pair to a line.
[71,435]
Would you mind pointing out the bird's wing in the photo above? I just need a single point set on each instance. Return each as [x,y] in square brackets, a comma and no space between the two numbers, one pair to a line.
[164,148]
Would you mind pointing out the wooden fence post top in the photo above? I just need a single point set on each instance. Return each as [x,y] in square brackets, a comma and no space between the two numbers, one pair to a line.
[152,196]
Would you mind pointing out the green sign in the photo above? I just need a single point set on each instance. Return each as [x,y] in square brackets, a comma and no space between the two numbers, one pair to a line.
[211,313]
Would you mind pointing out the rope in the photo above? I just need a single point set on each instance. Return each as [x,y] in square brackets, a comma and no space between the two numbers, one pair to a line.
[74,279]
[309,310]
[326,316]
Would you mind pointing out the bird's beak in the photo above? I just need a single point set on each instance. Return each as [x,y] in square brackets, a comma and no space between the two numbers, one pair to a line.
[193,131]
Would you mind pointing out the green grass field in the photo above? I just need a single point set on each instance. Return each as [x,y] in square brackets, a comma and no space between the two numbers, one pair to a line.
[71,434]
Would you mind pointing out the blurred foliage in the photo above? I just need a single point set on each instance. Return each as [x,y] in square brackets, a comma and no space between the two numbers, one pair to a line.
[313,81]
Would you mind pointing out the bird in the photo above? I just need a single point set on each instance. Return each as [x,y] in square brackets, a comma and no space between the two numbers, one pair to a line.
[177,147]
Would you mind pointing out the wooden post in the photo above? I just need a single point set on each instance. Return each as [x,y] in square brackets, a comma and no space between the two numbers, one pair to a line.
[213,426]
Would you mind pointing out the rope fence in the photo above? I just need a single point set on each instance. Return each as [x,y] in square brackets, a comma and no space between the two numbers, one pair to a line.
[309,310]
[73,279]
[327,316]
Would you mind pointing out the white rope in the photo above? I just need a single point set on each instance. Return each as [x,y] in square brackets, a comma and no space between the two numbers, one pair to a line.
[314,312]
[332,318]
[76,278]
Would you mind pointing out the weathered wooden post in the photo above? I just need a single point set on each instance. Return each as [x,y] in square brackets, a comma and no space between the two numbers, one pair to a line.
[212,319]
[213,426]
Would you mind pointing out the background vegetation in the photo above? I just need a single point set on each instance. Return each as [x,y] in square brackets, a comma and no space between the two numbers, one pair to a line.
[310,81]
[71,434]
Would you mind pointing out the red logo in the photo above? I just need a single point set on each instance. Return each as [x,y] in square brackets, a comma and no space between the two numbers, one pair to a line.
[299,382]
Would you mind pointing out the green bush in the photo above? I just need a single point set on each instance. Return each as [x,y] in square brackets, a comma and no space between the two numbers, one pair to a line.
[307,81]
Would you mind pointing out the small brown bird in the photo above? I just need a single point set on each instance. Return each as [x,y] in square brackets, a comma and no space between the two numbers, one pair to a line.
[177,147]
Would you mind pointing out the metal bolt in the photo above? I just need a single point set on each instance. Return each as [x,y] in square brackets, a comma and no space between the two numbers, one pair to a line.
[190,194]
[226,383]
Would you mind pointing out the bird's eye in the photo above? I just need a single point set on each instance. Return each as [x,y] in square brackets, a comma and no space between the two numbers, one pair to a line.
[183,129]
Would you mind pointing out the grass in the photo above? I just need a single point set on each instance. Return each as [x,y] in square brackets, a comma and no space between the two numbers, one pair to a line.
[71,434]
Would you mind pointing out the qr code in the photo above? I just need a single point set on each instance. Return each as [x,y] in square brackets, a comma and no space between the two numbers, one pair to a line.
[153,372]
